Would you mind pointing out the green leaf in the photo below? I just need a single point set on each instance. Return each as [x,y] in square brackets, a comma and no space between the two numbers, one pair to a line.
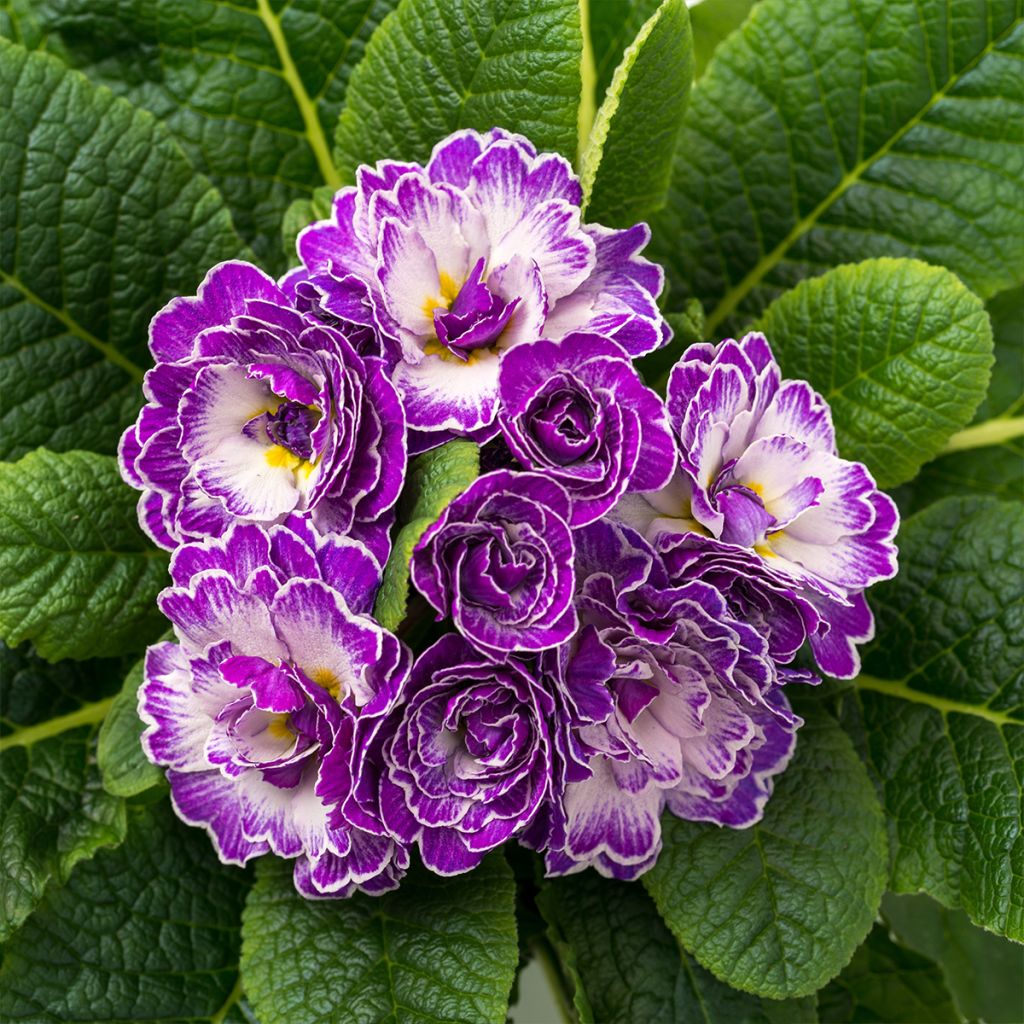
[984,973]
[438,65]
[628,968]
[687,328]
[830,131]
[436,949]
[125,769]
[940,704]
[885,982]
[435,479]
[81,576]
[301,213]
[712,21]
[149,931]
[779,908]
[251,91]
[1006,395]
[53,810]
[899,349]
[612,25]
[624,182]
[101,221]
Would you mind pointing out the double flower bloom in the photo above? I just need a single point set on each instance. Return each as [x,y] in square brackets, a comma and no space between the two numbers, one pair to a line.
[628,588]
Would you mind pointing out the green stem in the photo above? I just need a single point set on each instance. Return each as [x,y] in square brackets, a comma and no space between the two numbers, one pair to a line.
[990,432]
[87,714]
[588,88]
[942,704]
[233,996]
[556,982]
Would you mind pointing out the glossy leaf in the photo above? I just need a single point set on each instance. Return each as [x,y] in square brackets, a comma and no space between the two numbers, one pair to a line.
[831,131]
[778,909]
[612,25]
[125,769]
[712,22]
[900,350]
[82,578]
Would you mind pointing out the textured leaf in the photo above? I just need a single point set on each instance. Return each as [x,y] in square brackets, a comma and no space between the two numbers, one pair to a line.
[303,212]
[778,908]
[687,328]
[80,576]
[125,769]
[941,706]
[251,91]
[149,931]
[1006,394]
[712,21]
[984,972]
[612,26]
[435,478]
[900,350]
[624,182]
[436,949]
[438,65]
[830,131]
[53,810]
[628,968]
[101,221]
[885,982]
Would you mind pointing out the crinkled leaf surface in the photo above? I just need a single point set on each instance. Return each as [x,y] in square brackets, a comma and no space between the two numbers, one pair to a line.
[778,908]
[102,219]
[628,968]
[124,767]
[830,131]
[435,478]
[438,65]
[712,21]
[436,949]
[624,181]
[251,90]
[53,810]
[984,972]
[940,705]
[81,578]
[900,350]
[886,982]
[148,931]
[612,26]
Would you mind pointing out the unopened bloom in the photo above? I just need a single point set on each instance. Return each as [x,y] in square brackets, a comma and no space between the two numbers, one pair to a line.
[499,561]
[467,753]
[457,262]
[257,411]
[759,472]
[690,715]
[577,411]
[277,659]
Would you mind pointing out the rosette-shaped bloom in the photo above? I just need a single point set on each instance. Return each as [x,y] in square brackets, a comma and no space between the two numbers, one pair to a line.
[759,472]
[277,662]
[467,754]
[690,714]
[257,411]
[456,262]
[577,411]
[499,561]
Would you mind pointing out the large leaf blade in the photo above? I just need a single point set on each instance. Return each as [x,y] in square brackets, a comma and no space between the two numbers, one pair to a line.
[436,949]
[828,131]
[779,908]
[438,65]
[83,577]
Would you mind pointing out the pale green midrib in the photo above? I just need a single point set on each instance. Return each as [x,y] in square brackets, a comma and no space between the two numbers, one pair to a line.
[307,108]
[87,714]
[588,85]
[735,295]
[233,997]
[109,352]
[893,688]
[991,432]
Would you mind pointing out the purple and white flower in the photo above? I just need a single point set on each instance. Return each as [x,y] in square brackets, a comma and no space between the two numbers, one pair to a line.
[499,561]
[690,715]
[577,411]
[257,411]
[468,755]
[459,261]
[277,662]
[759,472]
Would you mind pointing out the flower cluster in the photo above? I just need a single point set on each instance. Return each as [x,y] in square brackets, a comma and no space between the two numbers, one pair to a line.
[622,600]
